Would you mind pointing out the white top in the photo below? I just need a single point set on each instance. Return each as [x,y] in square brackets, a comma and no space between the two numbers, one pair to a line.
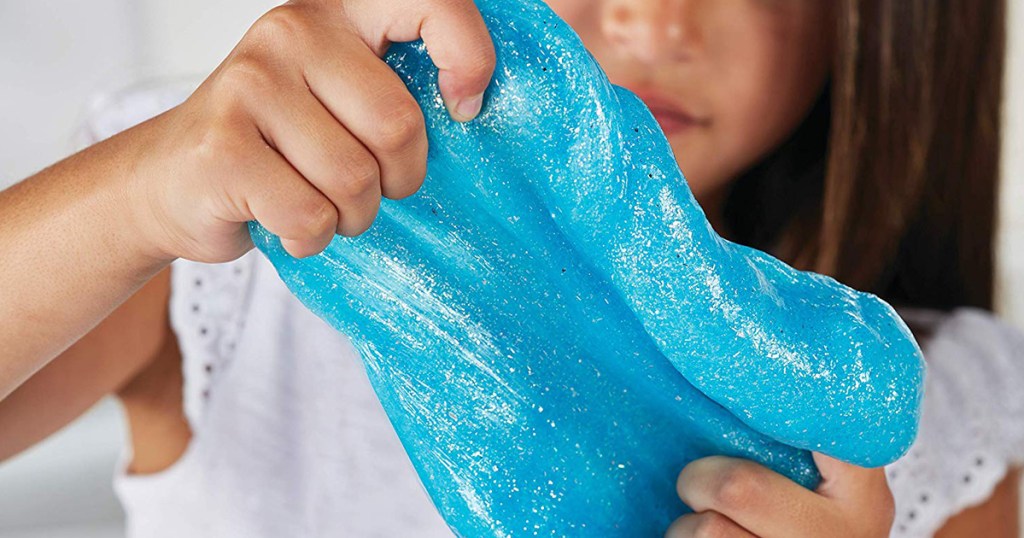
[289,439]
[288,436]
[972,420]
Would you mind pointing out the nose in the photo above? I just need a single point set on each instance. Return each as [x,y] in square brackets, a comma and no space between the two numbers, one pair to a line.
[651,30]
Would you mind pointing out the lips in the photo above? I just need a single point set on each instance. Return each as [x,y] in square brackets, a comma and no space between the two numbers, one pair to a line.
[671,117]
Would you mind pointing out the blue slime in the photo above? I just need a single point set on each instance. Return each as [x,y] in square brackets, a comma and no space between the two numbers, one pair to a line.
[555,331]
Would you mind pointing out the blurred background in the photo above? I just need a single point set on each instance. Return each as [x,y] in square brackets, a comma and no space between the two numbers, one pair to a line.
[61,56]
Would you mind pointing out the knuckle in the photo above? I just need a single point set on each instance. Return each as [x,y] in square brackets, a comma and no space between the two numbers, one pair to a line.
[352,226]
[462,8]
[361,175]
[401,126]
[480,62]
[314,217]
[284,23]
[478,56]
[736,485]
[409,182]
[246,74]
[216,146]
[712,525]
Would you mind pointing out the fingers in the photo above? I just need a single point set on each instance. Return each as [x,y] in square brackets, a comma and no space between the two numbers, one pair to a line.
[277,196]
[707,525]
[461,48]
[456,38]
[755,498]
[373,104]
[327,155]
[304,128]
[857,488]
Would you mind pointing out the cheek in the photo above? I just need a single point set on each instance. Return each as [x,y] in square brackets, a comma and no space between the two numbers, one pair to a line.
[762,94]
[761,114]
[753,110]
[572,11]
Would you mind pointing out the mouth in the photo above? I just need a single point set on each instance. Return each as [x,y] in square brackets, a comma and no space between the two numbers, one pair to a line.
[672,118]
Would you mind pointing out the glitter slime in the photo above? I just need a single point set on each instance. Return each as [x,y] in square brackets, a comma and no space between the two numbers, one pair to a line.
[555,330]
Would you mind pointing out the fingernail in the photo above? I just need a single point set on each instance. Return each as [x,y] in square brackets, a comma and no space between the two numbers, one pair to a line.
[468,108]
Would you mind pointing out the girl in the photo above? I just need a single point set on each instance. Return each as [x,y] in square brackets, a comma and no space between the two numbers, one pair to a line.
[858,139]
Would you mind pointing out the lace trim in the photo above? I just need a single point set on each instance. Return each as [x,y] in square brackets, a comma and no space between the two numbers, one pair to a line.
[972,426]
[208,310]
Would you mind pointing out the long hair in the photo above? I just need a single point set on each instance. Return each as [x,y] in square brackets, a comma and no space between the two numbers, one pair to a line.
[890,183]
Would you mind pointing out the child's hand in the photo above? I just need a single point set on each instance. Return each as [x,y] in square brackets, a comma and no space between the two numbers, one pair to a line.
[303,127]
[734,497]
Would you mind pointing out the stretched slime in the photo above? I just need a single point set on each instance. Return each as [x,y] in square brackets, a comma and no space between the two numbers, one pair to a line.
[554,329]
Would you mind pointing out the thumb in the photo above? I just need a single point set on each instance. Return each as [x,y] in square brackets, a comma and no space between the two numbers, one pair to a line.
[845,481]
[455,36]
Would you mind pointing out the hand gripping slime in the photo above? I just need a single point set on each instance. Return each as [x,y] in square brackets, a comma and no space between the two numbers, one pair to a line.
[555,331]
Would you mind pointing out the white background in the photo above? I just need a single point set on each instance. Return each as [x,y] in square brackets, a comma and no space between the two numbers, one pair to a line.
[58,54]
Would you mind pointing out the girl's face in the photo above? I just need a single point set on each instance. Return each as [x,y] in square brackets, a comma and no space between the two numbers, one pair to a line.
[728,80]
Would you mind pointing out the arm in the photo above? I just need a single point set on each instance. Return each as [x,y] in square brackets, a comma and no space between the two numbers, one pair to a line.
[997,517]
[66,263]
[102,362]
[302,128]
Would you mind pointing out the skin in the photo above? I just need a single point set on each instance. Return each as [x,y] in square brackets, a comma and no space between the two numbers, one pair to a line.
[304,128]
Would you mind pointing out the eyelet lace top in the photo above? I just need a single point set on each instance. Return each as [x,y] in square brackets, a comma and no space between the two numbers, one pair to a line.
[972,423]
[288,436]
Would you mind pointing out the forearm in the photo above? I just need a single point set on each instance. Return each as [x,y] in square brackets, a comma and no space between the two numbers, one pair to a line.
[72,251]
[100,363]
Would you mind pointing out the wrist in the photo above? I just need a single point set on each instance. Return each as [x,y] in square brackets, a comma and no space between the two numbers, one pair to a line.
[145,231]
[111,174]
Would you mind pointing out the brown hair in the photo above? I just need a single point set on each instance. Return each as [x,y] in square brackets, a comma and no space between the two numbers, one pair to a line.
[890,183]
